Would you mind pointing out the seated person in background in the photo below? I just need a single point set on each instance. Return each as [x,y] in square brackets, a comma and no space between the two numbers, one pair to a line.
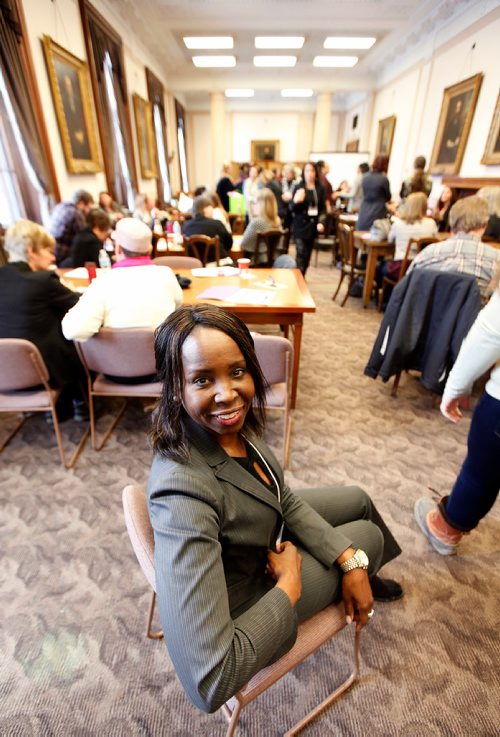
[66,219]
[133,294]
[89,241]
[476,488]
[265,219]
[110,207]
[219,213]
[441,214]
[203,223]
[411,223]
[240,559]
[144,205]
[492,197]
[271,182]
[463,252]
[418,182]
[32,304]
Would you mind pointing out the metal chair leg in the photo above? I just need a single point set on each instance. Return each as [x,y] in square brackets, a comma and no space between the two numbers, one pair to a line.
[149,633]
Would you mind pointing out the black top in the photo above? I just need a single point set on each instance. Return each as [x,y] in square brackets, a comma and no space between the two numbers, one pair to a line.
[224,186]
[32,305]
[493,227]
[304,223]
[201,225]
[85,247]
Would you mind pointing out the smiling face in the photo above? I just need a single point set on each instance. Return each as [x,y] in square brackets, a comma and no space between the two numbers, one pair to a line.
[218,389]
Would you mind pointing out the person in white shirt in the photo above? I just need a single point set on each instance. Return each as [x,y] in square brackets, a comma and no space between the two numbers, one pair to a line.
[477,485]
[133,294]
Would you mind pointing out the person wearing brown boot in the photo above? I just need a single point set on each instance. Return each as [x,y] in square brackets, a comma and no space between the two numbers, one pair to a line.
[478,482]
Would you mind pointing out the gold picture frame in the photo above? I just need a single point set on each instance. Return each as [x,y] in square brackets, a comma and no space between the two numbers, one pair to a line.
[385,135]
[264,150]
[74,106]
[455,120]
[491,153]
[145,137]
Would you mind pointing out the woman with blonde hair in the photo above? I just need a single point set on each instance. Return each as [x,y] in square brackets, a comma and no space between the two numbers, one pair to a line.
[266,218]
[32,304]
[412,223]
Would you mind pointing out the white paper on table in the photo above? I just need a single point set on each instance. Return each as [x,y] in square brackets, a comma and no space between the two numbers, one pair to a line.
[251,297]
[216,271]
[79,273]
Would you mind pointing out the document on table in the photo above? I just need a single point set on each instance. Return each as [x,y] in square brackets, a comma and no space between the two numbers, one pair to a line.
[216,271]
[238,296]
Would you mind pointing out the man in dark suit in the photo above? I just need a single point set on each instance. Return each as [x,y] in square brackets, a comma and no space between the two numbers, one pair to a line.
[32,304]
[203,223]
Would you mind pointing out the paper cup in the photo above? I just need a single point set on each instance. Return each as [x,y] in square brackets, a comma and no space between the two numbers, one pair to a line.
[243,264]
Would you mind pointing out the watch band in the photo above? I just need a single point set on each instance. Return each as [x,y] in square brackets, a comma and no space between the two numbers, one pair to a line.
[358,560]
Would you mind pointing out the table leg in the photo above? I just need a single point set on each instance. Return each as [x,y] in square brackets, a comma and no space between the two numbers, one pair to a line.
[297,339]
[371,265]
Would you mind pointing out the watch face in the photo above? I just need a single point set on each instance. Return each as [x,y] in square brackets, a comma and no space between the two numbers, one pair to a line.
[362,557]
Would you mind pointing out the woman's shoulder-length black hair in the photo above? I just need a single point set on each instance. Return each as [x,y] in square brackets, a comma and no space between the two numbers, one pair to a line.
[168,434]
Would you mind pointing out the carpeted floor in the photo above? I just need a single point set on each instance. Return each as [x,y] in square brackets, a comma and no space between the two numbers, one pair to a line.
[73,600]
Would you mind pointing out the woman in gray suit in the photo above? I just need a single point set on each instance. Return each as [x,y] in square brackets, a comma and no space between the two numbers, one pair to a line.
[240,559]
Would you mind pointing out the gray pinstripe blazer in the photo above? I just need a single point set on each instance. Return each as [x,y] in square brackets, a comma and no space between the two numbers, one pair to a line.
[222,617]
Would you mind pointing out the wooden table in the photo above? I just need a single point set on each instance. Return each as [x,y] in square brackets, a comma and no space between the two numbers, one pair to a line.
[373,250]
[287,307]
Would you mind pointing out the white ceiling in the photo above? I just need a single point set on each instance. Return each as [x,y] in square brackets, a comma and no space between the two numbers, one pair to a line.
[398,25]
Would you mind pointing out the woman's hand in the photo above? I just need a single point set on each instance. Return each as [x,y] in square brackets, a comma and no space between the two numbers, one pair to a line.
[284,566]
[286,196]
[320,228]
[451,408]
[299,196]
[358,597]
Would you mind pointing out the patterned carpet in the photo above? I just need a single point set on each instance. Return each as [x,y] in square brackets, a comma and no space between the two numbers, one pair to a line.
[73,600]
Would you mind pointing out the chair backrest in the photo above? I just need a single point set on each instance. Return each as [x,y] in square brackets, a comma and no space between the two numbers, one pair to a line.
[275,355]
[347,249]
[415,245]
[237,224]
[271,240]
[178,262]
[139,530]
[203,248]
[124,352]
[21,365]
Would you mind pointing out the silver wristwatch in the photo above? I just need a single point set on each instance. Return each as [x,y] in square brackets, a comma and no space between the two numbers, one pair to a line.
[358,560]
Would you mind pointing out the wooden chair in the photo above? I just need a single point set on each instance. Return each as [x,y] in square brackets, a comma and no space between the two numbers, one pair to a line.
[178,262]
[123,353]
[24,387]
[271,239]
[415,245]
[275,355]
[312,633]
[203,248]
[348,255]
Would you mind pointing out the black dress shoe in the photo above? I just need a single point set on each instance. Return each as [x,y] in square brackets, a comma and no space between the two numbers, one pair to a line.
[385,589]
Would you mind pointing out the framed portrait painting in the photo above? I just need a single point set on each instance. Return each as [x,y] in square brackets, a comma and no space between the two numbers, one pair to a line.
[264,150]
[145,137]
[455,119]
[492,150]
[73,103]
[385,135]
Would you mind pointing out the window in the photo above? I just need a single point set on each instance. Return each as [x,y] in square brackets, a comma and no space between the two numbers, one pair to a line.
[181,142]
[157,99]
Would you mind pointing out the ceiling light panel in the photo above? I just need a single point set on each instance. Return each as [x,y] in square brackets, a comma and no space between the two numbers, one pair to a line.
[279,42]
[297,92]
[349,42]
[208,42]
[239,93]
[214,61]
[335,61]
[274,61]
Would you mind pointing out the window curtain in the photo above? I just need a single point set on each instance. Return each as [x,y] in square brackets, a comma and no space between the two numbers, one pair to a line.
[181,138]
[21,127]
[157,98]
[119,160]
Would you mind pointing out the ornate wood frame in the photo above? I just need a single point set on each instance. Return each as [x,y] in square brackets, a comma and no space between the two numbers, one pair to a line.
[386,128]
[455,92]
[272,145]
[491,153]
[145,137]
[80,146]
